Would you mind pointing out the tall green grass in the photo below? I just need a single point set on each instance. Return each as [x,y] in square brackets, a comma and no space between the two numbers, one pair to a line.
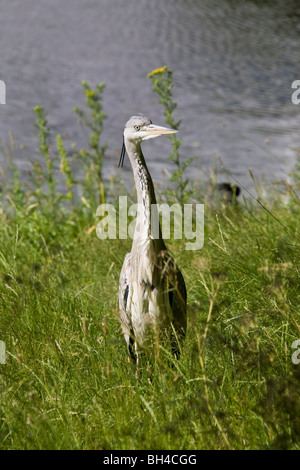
[68,383]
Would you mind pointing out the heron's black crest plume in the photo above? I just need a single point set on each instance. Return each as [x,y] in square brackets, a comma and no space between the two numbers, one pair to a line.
[122,156]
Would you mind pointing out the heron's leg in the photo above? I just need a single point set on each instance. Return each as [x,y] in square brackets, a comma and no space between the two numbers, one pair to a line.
[131,346]
[137,356]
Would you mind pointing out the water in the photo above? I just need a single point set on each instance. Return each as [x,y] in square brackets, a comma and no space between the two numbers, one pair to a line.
[233,62]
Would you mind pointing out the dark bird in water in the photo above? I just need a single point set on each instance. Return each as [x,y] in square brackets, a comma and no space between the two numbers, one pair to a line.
[228,191]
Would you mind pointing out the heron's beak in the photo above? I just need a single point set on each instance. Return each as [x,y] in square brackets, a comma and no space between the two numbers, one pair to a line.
[152,131]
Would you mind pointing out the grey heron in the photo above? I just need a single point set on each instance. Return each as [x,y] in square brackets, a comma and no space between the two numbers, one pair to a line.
[152,292]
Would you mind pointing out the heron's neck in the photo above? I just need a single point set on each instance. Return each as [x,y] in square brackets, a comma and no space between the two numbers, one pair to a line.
[147,224]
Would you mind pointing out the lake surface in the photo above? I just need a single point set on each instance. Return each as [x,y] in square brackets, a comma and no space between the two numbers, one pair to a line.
[233,63]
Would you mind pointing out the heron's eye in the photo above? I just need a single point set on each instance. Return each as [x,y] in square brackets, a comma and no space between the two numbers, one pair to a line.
[137,128]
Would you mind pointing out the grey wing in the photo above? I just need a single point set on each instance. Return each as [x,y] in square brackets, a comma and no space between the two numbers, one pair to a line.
[177,297]
[178,301]
[124,300]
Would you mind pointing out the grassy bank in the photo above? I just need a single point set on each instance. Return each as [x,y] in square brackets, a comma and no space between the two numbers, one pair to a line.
[67,382]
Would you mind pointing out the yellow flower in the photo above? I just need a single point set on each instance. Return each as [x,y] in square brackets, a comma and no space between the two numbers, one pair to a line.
[90,93]
[38,108]
[157,71]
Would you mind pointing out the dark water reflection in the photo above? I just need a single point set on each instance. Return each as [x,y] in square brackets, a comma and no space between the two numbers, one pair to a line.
[233,61]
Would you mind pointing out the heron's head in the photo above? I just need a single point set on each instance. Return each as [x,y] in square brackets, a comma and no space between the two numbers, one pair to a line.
[140,128]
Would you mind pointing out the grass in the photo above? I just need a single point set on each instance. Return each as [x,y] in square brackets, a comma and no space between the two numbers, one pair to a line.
[67,383]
